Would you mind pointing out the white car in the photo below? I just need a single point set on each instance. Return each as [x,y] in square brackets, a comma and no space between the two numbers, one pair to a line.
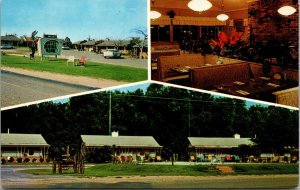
[111,53]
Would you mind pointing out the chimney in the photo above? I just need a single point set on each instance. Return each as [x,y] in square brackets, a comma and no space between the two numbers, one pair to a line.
[237,136]
[115,134]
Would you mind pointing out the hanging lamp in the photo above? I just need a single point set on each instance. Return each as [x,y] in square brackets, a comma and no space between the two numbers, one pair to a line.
[286,10]
[222,16]
[199,5]
[154,14]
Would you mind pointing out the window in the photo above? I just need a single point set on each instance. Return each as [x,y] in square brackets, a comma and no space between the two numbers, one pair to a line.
[51,46]
[160,33]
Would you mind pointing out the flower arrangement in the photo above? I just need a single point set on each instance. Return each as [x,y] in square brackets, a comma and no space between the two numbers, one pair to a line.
[225,42]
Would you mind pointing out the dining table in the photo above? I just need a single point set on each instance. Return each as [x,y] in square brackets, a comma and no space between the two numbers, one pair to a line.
[255,88]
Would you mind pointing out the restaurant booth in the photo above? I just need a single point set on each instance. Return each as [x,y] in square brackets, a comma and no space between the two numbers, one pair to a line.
[252,53]
[125,148]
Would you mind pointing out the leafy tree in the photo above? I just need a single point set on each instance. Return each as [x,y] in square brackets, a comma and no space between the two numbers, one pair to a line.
[67,42]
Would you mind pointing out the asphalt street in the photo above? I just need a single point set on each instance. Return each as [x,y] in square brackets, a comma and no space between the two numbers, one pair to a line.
[98,58]
[18,89]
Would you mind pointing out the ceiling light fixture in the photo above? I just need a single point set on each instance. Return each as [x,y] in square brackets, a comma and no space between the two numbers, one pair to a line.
[199,5]
[222,16]
[154,14]
[286,10]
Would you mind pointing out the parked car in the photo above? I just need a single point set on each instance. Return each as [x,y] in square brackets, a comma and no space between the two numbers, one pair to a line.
[112,53]
[7,47]
[65,48]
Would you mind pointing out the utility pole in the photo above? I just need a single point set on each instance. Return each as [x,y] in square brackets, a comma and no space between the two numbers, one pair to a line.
[109,115]
[189,117]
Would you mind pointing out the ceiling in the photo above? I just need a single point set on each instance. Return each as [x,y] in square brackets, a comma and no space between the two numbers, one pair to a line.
[181,9]
[229,5]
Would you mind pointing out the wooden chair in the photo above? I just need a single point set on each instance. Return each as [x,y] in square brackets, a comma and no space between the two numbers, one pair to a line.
[71,59]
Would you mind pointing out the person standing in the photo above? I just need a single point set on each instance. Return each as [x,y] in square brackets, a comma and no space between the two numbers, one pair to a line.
[33,44]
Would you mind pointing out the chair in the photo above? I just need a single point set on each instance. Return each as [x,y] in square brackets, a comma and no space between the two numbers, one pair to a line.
[117,159]
[192,158]
[123,159]
[71,59]
[158,158]
[82,60]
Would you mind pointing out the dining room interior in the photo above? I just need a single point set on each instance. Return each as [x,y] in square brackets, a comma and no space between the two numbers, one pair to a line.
[246,48]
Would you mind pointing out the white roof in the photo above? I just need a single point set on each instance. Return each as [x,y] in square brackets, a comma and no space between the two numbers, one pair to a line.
[217,142]
[13,139]
[123,141]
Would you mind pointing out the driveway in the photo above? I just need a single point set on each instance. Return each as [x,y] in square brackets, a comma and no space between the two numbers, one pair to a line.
[98,58]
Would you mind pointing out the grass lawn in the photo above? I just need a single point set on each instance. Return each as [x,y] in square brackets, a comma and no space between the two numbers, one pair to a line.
[91,69]
[103,170]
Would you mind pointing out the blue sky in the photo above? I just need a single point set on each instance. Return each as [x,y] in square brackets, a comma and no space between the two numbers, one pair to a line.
[77,19]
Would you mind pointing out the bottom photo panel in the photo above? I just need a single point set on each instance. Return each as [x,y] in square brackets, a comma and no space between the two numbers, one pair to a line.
[150,135]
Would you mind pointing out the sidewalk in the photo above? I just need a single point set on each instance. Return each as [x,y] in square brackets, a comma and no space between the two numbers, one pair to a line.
[77,80]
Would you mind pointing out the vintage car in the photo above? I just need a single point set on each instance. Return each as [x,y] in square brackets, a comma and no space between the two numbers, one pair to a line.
[112,53]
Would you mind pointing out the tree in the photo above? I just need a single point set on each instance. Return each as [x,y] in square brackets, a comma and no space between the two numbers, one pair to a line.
[144,36]
[67,42]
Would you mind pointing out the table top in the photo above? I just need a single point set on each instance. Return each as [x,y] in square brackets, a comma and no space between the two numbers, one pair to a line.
[182,70]
[255,87]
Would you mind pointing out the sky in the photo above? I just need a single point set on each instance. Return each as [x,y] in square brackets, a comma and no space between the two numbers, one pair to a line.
[76,19]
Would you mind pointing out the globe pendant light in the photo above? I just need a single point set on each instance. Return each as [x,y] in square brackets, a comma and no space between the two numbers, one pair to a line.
[199,5]
[286,10]
[154,14]
[222,16]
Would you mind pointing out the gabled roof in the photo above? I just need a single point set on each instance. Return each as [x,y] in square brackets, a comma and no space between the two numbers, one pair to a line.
[10,38]
[123,141]
[78,42]
[13,139]
[216,142]
[114,42]
[89,43]
[107,43]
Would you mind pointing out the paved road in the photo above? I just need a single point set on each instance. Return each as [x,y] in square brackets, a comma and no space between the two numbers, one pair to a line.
[138,63]
[17,89]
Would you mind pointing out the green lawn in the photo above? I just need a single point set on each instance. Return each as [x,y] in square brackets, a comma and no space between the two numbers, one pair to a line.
[91,69]
[102,170]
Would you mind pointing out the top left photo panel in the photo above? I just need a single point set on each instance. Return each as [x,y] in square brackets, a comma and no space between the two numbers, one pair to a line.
[52,48]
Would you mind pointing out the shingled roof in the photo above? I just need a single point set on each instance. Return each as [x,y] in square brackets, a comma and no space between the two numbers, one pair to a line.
[122,141]
[10,38]
[13,139]
[217,142]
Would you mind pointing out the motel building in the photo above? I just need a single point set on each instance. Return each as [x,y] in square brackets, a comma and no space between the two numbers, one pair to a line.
[216,149]
[23,147]
[125,148]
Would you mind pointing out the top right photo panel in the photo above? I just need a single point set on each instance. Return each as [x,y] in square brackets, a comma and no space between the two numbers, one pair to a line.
[244,48]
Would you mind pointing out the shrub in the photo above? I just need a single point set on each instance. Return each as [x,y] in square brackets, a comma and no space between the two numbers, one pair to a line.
[26,160]
[102,155]
[34,160]
[41,159]
[19,160]
[3,161]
